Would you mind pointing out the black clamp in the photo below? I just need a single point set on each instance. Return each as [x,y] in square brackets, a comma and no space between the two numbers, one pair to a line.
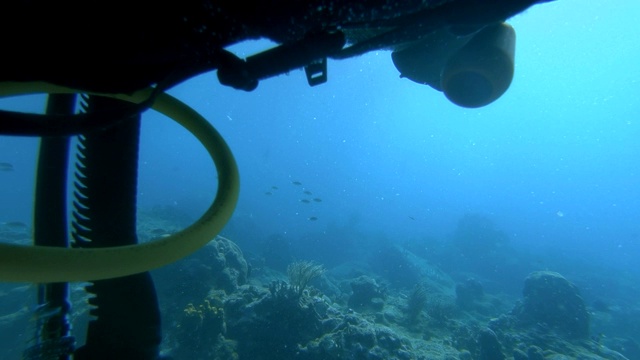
[310,53]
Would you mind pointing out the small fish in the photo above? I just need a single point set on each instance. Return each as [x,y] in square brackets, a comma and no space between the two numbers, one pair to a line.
[274,187]
[5,166]
[296,183]
[305,201]
[307,192]
[158,231]
[268,193]
[317,199]
[412,218]
[313,218]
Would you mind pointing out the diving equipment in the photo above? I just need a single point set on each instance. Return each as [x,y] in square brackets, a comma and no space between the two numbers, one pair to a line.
[43,264]
[480,72]
[472,70]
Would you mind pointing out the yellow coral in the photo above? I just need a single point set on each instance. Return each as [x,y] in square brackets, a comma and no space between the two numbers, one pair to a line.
[203,310]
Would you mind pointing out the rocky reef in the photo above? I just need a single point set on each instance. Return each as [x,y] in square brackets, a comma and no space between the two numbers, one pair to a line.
[551,300]
[366,294]
[396,302]
[269,318]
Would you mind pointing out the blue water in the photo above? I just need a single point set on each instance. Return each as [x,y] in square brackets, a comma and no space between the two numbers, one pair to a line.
[553,163]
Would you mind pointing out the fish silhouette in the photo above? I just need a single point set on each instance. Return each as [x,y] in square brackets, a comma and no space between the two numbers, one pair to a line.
[5,166]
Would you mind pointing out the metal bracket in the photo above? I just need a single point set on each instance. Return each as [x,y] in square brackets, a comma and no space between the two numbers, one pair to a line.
[316,72]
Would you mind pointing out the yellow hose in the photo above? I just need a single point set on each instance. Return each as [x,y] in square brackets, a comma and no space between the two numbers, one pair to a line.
[43,264]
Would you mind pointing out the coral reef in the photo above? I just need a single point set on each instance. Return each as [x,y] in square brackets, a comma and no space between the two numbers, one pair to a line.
[227,263]
[200,330]
[302,272]
[553,301]
[213,310]
[367,294]
[279,321]
[355,338]
[416,302]
[275,324]
[440,308]
[269,324]
[218,265]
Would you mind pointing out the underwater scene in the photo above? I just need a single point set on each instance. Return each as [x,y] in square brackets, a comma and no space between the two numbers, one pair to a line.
[376,219]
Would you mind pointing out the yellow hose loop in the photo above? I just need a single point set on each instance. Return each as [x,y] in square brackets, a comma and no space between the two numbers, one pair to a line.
[43,264]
